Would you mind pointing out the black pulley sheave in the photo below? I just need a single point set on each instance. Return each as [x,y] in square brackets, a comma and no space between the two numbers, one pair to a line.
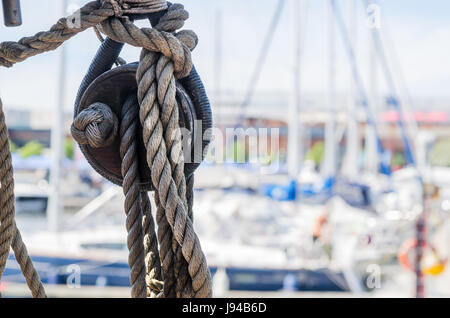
[113,86]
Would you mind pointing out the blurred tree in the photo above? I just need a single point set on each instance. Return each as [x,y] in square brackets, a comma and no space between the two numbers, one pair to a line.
[32,148]
[440,154]
[69,149]
[12,146]
[316,153]
[398,161]
[240,152]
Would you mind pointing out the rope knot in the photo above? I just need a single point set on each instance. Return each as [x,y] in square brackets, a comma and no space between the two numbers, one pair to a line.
[96,126]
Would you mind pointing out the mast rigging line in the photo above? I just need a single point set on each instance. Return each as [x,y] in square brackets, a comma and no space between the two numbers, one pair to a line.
[356,76]
[394,99]
[401,77]
[260,62]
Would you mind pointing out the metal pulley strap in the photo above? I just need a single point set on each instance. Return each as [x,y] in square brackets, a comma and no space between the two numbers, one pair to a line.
[12,14]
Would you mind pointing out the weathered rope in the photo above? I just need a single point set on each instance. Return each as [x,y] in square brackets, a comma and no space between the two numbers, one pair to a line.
[168,44]
[90,15]
[85,130]
[170,119]
[152,262]
[130,173]
[156,77]
[26,266]
[166,253]
[95,126]
[9,233]
[7,227]
[7,194]
[166,56]
[156,94]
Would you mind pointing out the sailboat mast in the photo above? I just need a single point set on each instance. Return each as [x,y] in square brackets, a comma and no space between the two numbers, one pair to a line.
[218,62]
[372,157]
[54,206]
[351,164]
[365,102]
[329,165]
[294,137]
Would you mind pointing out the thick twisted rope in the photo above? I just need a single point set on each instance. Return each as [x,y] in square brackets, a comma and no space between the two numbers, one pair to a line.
[90,15]
[172,47]
[170,252]
[166,56]
[121,30]
[9,233]
[168,44]
[130,173]
[152,262]
[166,254]
[26,266]
[86,129]
[170,121]
[157,101]
[7,194]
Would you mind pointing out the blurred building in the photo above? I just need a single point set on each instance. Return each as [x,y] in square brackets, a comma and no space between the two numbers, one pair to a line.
[26,125]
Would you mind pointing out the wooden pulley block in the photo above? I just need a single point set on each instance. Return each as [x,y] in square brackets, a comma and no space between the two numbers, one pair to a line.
[113,88]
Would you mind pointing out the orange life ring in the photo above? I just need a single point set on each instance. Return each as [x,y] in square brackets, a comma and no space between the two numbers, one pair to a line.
[405,251]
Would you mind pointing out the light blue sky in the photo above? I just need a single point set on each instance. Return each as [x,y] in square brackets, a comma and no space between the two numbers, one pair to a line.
[419,29]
